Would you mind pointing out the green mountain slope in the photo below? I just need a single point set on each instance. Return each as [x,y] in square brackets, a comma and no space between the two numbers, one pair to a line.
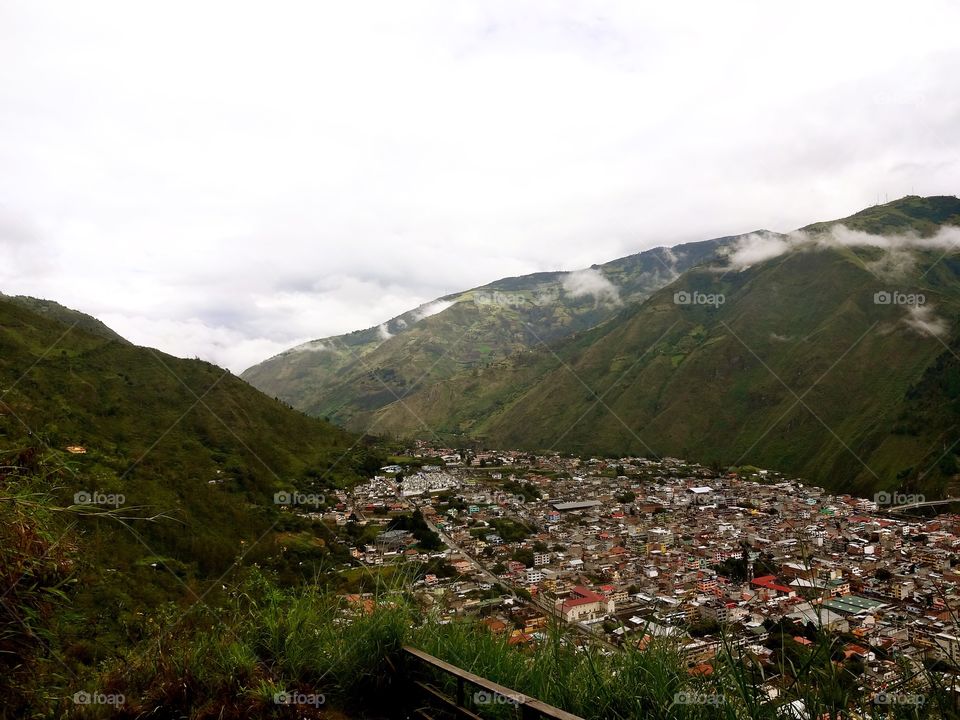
[65,315]
[798,369]
[180,438]
[345,378]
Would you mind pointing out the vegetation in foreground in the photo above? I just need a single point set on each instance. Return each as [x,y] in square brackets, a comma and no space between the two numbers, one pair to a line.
[235,652]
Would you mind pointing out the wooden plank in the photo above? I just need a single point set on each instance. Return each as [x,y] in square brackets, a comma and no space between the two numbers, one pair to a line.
[437,695]
[517,698]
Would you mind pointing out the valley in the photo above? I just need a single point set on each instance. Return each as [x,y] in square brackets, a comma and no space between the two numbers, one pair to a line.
[153,505]
[479,361]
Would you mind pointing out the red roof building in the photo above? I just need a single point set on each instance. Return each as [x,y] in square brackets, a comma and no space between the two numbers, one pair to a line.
[769,582]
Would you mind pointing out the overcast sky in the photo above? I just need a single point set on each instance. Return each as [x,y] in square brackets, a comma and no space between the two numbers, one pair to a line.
[227,179]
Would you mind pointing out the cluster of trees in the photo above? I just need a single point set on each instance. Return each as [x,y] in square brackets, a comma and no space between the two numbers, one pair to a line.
[510,530]
[414,523]
[529,491]
[736,568]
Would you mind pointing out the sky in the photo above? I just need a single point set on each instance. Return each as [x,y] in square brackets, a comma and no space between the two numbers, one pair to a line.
[225,180]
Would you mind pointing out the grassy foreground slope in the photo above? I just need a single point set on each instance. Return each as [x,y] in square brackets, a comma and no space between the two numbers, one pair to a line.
[336,658]
[798,369]
[348,377]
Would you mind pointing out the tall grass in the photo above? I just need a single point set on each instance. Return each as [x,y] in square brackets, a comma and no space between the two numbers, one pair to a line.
[270,640]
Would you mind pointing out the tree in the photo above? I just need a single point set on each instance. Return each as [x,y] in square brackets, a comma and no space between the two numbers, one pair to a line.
[417,526]
[707,626]
[525,556]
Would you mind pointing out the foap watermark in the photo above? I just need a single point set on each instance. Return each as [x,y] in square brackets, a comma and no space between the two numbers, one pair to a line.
[888,698]
[888,499]
[293,697]
[485,697]
[695,297]
[96,497]
[500,298]
[82,697]
[293,497]
[898,297]
[901,97]
[689,697]
[499,498]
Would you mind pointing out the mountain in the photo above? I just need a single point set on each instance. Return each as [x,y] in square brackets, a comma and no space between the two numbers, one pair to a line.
[348,377]
[182,439]
[66,316]
[797,365]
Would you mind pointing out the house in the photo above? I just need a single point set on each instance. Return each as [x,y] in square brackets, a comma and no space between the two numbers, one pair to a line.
[716,611]
[517,637]
[495,625]
[768,587]
[584,604]
[614,594]
[702,495]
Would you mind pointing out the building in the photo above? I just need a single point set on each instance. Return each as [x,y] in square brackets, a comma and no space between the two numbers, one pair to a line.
[576,505]
[702,495]
[768,587]
[584,604]
[715,610]
[660,536]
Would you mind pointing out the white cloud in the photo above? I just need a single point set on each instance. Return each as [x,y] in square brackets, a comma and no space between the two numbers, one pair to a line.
[592,282]
[921,319]
[224,346]
[433,308]
[758,247]
[313,346]
[260,175]
[896,258]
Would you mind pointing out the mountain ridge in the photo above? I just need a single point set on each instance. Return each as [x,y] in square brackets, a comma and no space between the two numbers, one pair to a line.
[349,376]
[729,383]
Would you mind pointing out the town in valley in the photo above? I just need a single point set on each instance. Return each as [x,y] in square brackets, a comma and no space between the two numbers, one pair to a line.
[636,551]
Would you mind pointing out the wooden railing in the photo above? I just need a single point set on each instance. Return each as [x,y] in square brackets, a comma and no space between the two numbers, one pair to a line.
[418,667]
